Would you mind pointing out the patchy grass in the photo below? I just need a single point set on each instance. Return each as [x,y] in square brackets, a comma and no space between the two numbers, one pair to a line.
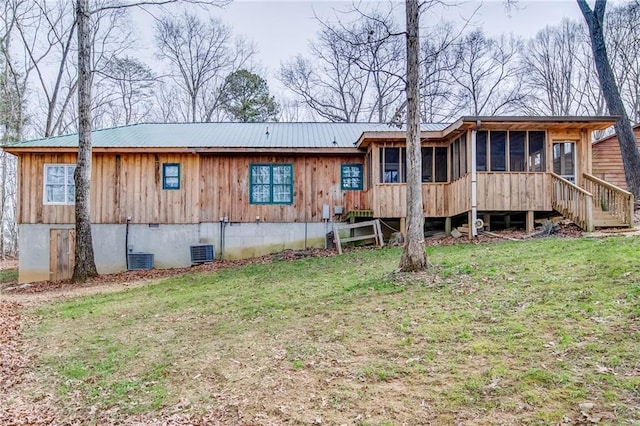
[505,333]
[8,276]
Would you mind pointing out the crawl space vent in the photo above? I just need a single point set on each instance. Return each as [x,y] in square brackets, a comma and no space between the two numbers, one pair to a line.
[140,261]
[201,253]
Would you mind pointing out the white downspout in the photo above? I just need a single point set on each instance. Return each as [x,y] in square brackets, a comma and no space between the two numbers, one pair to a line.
[474,182]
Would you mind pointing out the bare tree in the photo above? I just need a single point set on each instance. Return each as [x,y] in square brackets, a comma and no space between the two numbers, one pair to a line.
[438,62]
[622,34]
[487,74]
[553,75]
[201,55]
[332,85]
[12,118]
[626,139]
[85,266]
[129,83]
[414,257]
[372,43]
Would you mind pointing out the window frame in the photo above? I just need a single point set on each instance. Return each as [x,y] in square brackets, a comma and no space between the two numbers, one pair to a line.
[360,168]
[271,184]
[65,184]
[401,171]
[166,186]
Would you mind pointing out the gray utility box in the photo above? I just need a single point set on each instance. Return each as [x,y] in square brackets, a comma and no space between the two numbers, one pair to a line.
[201,253]
[140,261]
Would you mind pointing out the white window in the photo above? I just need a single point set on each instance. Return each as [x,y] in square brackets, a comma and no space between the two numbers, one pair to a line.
[59,186]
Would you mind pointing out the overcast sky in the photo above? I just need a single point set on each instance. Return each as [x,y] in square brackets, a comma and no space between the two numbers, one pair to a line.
[283,29]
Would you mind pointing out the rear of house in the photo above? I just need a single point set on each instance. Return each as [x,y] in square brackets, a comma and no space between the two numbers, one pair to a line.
[247,189]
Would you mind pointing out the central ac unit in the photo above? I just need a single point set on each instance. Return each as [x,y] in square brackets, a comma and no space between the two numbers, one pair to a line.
[201,253]
[140,261]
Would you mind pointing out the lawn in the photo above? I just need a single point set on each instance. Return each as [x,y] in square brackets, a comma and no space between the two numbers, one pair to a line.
[538,332]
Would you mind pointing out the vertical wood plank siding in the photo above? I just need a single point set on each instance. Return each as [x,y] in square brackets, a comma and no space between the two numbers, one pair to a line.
[224,188]
[211,187]
[514,191]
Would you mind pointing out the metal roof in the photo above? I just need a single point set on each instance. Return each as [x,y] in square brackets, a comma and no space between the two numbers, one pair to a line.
[223,135]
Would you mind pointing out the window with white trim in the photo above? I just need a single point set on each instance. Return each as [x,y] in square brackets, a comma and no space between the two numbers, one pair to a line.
[59,186]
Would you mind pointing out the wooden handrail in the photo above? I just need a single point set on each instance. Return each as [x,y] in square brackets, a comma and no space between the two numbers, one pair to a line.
[609,198]
[606,184]
[571,184]
[572,201]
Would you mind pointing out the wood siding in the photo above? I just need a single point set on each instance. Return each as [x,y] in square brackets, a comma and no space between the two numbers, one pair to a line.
[607,160]
[500,191]
[224,188]
[130,185]
[127,185]
[391,199]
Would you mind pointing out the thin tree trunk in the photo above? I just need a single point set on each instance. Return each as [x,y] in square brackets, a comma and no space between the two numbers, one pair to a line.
[414,257]
[611,93]
[85,266]
[3,201]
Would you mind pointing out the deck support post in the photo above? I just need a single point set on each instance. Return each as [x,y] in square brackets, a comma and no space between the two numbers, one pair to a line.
[486,218]
[403,226]
[530,224]
[507,221]
[447,226]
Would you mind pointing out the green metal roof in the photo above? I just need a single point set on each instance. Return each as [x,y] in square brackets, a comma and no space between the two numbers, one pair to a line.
[224,135]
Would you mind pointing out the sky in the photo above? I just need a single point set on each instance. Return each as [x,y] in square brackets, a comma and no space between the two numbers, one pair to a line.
[282,29]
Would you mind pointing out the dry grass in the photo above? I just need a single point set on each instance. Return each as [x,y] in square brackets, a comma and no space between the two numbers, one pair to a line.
[542,332]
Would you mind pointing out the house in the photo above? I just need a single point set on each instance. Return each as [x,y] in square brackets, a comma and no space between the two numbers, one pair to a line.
[253,188]
[607,160]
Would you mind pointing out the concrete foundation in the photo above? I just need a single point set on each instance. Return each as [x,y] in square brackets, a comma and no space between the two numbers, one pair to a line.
[169,243]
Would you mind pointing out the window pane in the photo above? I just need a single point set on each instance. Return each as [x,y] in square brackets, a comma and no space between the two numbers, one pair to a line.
[71,194]
[536,151]
[391,159]
[281,193]
[260,174]
[171,182]
[282,174]
[55,175]
[70,170]
[441,164]
[463,155]
[481,151]
[260,194]
[171,170]
[55,193]
[498,142]
[427,164]
[516,151]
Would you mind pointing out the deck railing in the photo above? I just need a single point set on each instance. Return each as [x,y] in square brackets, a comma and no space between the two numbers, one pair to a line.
[609,198]
[572,202]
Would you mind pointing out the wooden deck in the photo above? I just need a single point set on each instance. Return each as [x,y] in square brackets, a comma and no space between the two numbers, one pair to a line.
[595,204]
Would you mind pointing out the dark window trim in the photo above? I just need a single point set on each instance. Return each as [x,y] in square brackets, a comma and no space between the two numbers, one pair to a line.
[165,186]
[360,175]
[271,184]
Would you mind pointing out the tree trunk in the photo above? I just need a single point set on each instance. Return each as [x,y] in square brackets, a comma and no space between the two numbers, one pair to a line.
[611,93]
[85,265]
[414,257]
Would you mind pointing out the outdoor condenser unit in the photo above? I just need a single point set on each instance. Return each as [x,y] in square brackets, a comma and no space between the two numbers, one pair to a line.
[201,253]
[140,261]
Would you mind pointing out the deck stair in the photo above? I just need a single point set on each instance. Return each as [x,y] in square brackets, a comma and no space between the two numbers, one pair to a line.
[604,219]
[596,204]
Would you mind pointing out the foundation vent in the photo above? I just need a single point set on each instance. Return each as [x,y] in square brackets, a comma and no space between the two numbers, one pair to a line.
[201,253]
[140,261]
